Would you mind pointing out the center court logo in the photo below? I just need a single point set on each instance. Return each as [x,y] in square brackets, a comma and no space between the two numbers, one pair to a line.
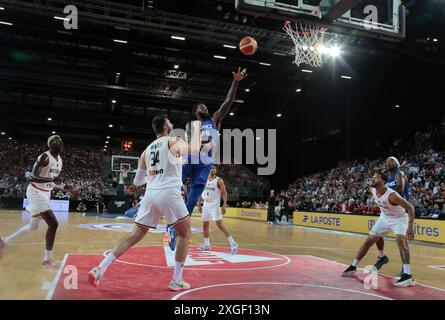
[215,258]
[124,227]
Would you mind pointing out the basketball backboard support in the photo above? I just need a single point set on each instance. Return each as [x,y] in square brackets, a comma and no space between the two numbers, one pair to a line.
[383,19]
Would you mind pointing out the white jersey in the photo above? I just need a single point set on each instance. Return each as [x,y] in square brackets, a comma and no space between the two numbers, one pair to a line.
[212,194]
[52,170]
[388,210]
[164,170]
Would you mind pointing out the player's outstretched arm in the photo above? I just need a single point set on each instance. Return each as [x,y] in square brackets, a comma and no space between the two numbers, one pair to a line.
[396,199]
[42,161]
[219,115]
[141,174]
[182,147]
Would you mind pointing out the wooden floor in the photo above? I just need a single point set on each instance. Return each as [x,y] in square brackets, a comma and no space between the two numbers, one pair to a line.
[22,277]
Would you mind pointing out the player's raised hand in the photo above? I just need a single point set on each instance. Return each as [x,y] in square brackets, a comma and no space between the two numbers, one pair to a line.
[240,74]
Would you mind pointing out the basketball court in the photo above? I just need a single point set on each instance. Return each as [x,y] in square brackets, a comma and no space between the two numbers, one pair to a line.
[274,262]
[103,86]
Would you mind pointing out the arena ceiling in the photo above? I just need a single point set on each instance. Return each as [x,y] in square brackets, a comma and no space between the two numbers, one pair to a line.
[84,81]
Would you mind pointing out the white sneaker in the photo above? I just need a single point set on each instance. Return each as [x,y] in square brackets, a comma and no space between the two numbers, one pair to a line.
[94,277]
[203,247]
[234,248]
[406,280]
[51,265]
[178,286]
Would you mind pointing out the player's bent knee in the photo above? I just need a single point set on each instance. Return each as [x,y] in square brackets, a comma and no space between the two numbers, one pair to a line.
[373,239]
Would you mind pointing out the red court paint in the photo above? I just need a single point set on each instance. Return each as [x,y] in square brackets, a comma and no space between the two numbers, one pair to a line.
[144,273]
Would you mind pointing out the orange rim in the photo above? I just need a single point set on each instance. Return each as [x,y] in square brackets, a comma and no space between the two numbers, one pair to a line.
[302,33]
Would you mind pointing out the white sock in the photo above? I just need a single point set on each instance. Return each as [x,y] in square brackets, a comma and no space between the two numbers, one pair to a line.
[207,241]
[109,259]
[32,225]
[231,240]
[355,262]
[407,269]
[177,274]
[381,253]
[48,255]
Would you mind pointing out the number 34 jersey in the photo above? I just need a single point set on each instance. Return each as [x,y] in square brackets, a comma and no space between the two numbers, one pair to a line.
[164,169]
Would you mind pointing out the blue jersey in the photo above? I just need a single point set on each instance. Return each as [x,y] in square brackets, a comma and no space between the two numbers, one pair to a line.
[392,184]
[209,136]
[209,140]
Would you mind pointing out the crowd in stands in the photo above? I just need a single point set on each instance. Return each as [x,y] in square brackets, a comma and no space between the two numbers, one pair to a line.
[346,188]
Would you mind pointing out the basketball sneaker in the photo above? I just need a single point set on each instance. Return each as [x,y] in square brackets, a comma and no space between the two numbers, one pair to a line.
[203,247]
[50,264]
[178,286]
[234,248]
[381,261]
[349,272]
[94,277]
[406,280]
[171,237]
[2,246]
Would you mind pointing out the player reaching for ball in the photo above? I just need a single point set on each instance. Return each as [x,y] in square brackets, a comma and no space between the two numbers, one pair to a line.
[199,170]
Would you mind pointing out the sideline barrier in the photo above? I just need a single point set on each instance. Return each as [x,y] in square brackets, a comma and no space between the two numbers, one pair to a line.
[424,229]
[242,213]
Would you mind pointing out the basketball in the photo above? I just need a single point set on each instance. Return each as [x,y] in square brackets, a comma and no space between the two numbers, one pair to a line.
[248,46]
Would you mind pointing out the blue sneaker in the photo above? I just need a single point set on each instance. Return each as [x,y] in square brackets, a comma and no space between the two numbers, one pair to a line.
[171,237]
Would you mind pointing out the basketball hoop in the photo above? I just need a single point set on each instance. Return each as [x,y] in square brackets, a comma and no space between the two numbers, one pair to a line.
[308,41]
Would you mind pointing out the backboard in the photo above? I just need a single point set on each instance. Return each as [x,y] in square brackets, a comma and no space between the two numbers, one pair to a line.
[118,163]
[384,19]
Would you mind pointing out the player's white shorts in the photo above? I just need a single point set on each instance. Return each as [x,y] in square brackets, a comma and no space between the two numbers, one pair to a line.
[156,204]
[386,225]
[38,201]
[211,212]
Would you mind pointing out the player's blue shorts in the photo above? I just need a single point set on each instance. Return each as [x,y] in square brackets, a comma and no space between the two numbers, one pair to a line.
[199,173]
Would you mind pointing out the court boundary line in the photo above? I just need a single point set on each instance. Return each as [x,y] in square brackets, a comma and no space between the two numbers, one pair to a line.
[441,268]
[51,291]
[277,283]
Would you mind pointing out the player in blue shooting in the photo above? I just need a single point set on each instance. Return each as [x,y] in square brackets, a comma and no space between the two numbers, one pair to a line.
[397,181]
[198,168]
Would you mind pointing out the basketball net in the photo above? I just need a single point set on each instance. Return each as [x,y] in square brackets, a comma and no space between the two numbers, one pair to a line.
[308,41]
